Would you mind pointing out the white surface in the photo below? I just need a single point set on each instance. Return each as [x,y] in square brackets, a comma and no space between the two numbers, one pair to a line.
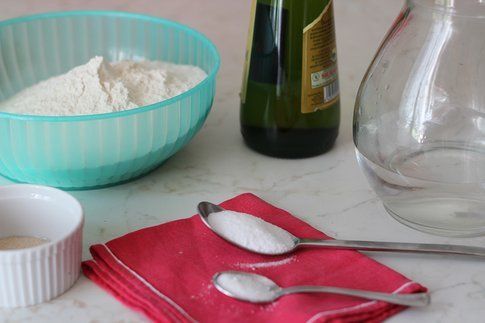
[329,192]
[35,275]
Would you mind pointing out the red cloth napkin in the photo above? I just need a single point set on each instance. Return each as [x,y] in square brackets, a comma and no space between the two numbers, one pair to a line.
[165,272]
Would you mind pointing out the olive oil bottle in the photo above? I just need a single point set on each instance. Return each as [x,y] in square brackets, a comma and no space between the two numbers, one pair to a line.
[290,95]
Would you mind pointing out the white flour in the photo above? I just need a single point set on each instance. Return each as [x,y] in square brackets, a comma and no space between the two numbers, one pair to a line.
[251,232]
[102,87]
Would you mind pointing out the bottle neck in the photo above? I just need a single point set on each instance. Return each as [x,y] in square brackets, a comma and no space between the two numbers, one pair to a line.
[464,8]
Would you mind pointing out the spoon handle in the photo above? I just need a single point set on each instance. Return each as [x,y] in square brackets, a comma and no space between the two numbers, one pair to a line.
[395,247]
[419,299]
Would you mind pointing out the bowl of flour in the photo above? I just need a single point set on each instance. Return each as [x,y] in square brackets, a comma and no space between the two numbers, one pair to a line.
[91,99]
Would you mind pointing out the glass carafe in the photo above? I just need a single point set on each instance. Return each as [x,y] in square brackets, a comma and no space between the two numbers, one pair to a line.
[419,123]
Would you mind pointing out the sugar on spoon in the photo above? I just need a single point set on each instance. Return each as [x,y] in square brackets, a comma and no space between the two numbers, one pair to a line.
[260,289]
[279,241]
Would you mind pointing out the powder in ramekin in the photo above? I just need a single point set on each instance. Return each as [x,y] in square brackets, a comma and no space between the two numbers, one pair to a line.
[20,242]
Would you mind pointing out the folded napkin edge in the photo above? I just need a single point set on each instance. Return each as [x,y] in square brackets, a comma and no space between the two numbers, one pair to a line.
[104,257]
[409,287]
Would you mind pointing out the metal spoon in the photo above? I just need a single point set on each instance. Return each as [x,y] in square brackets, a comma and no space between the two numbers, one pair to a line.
[260,289]
[206,208]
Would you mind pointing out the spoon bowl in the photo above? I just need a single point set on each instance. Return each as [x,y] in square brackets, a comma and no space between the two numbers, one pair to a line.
[246,287]
[207,208]
[258,289]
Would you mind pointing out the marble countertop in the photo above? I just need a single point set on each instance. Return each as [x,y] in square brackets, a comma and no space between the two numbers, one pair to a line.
[328,191]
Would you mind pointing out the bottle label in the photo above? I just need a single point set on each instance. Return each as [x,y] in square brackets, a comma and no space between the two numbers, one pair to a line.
[320,87]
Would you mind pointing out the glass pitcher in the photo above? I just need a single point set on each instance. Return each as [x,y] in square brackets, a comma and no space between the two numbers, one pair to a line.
[419,122]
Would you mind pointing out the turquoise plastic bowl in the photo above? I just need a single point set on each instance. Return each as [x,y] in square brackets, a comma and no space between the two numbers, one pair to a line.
[80,152]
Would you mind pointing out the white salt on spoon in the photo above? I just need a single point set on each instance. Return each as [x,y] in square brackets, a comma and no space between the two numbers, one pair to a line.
[248,287]
[247,231]
[251,232]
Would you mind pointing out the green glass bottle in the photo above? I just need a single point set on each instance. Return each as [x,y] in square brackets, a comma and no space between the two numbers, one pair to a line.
[290,96]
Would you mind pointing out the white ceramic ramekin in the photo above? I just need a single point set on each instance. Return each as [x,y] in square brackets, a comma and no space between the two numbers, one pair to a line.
[35,275]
